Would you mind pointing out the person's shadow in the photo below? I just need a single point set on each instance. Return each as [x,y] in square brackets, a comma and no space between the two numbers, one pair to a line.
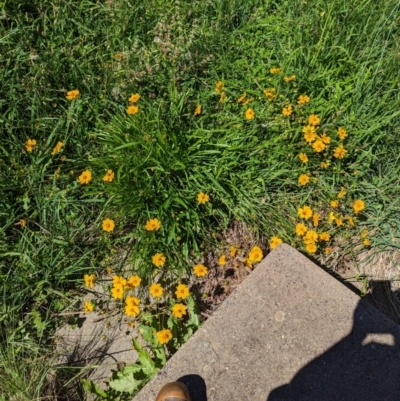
[363,366]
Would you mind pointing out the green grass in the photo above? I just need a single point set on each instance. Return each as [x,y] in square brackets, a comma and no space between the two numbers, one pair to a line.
[345,57]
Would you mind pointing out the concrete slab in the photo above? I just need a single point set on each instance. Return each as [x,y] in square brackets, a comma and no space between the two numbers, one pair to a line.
[290,331]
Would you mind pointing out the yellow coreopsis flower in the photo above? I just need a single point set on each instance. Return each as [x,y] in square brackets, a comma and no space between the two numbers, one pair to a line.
[72,94]
[342,193]
[313,119]
[358,206]
[311,237]
[22,223]
[233,251]
[241,98]
[164,336]
[319,146]
[324,164]
[287,111]
[334,203]
[85,177]
[132,109]
[275,70]
[134,98]
[304,179]
[30,144]
[249,114]
[324,236]
[117,291]
[274,242]
[303,157]
[301,229]
[255,255]
[108,225]
[342,133]
[289,78]
[325,138]
[156,290]
[182,291]
[119,281]
[158,259]
[197,111]
[133,282]
[89,280]
[340,152]
[57,148]
[109,176]
[203,198]
[269,93]
[178,310]
[305,212]
[152,225]
[222,260]
[328,250]
[316,218]
[303,99]
[200,270]
[88,307]
[219,87]
[311,248]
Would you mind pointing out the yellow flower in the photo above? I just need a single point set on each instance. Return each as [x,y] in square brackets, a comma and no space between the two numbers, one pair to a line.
[88,307]
[134,98]
[164,336]
[318,146]
[117,291]
[313,119]
[72,94]
[358,206]
[255,255]
[85,177]
[248,100]
[305,212]
[156,290]
[57,148]
[132,109]
[342,133]
[304,179]
[222,260]
[303,157]
[325,138]
[334,204]
[158,259]
[311,237]
[342,193]
[324,236]
[241,99]
[289,78]
[249,114]
[219,87]
[325,164]
[274,242]
[108,225]
[339,221]
[109,176]
[203,198]
[340,152]
[119,280]
[222,97]
[89,280]
[152,225]
[182,291]
[233,251]
[178,310]
[200,270]
[30,144]
[275,70]
[309,133]
[269,93]
[350,220]
[366,242]
[316,218]
[197,111]
[22,223]
[331,217]
[301,229]
[328,250]
[287,111]
[364,233]
[132,306]
[248,263]
[311,248]
[133,282]
[303,99]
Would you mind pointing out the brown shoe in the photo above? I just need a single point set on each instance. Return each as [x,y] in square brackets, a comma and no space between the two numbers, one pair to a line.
[174,391]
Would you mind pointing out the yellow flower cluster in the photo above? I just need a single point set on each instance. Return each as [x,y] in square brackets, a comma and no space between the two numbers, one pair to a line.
[133,108]
[73,94]
[30,144]
[132,306]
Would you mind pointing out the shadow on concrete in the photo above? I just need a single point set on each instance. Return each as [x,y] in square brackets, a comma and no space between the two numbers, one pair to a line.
[365,365]
[196,386]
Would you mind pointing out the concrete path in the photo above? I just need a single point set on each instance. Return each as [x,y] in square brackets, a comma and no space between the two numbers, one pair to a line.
[290,331]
